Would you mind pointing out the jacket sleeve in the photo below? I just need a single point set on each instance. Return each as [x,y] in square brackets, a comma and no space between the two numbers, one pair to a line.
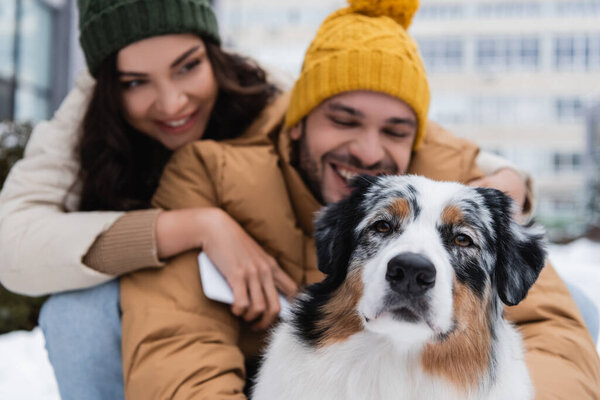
[560,353]
[178,344]
[41,245]
[130,244]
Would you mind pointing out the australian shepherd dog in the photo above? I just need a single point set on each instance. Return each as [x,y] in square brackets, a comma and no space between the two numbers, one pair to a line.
[412,305]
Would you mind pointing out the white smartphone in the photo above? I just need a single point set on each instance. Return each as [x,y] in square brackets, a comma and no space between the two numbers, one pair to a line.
[216,288]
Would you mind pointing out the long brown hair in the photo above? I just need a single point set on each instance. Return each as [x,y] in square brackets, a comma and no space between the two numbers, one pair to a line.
[120,166]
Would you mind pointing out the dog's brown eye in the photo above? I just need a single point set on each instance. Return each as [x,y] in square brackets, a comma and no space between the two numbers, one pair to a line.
[383,226]
[463,240]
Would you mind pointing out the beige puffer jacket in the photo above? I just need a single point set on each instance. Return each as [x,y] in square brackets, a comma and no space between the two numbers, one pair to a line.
[42,244]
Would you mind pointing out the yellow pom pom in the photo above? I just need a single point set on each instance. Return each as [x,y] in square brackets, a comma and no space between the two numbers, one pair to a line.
[402,11]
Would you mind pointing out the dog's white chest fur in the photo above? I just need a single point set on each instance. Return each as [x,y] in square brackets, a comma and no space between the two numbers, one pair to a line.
[369,367]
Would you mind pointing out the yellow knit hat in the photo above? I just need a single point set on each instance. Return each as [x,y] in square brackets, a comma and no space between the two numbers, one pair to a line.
[364,47]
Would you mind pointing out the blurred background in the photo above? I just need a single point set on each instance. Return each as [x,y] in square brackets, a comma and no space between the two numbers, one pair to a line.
[520,78]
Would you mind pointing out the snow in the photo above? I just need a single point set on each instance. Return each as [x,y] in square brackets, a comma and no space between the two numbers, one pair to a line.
[25,372]
[579,263]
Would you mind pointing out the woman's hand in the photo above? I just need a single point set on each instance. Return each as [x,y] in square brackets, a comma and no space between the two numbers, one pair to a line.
[177,231]
[253,275]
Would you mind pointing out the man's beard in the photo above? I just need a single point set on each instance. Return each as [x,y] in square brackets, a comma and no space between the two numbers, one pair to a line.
[309,169]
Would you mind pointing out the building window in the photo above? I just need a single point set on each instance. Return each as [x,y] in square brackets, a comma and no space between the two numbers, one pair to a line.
[450,108]
[528,53]
[7,22]
[6,99]
[569,109]
[573,7]
[25,59]
[504,110]
[593,57]
[564,205]
[509,9]
[577,53]
[569,53]
[440,11]
[442,54]
[567,162]
[508,53]
[593,123]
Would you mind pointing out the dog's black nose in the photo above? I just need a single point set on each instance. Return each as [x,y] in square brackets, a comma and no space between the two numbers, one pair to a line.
[410,273]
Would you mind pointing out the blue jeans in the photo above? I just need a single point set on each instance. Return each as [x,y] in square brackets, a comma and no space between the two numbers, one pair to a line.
[83,338]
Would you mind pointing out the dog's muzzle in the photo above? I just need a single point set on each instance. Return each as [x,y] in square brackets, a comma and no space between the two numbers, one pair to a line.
[410,274]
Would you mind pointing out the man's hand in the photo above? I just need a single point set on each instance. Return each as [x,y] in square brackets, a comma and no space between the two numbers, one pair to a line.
[508,181]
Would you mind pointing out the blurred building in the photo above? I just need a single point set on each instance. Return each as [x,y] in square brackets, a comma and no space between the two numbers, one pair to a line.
[518,77]
[592,162]
[277,33]
[37,42]
[515,76]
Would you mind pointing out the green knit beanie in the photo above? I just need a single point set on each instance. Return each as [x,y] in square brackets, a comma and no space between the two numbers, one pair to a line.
[107,26]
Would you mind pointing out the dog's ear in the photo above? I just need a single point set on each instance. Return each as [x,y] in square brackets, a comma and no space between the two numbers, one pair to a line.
[335,236]
[520,250]
[332,238]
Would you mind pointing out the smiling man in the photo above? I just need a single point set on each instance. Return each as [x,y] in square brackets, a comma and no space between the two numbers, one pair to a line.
[359,107]
[353,133]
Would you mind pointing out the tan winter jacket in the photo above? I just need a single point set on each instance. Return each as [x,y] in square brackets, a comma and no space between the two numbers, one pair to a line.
[177,344]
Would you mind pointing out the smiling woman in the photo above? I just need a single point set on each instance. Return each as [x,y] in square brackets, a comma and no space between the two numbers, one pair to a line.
[156,95]
[161,81]
[168,88]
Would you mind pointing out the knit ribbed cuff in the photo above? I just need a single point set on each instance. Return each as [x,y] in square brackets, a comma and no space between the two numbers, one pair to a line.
[128,245]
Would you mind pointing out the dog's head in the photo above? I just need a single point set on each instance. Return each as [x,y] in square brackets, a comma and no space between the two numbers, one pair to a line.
[411,258]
